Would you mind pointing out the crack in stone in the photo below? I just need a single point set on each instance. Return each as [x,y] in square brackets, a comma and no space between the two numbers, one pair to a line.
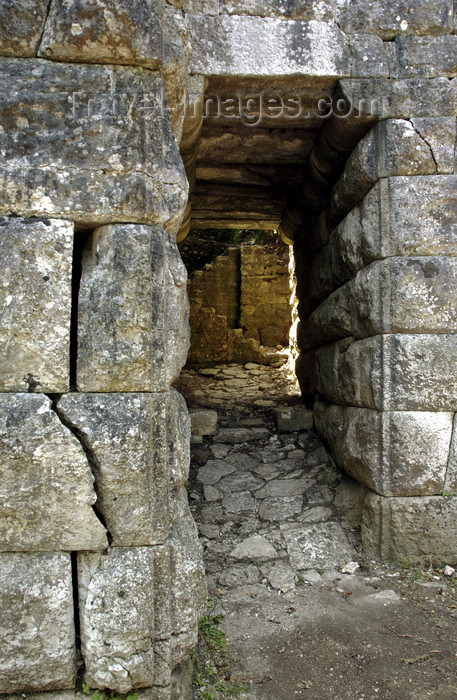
[422,138]
[90,455]
[45,21]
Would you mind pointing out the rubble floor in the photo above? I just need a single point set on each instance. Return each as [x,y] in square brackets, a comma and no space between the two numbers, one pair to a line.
[278,525]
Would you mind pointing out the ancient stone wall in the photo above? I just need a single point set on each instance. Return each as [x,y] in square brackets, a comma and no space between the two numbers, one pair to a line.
[240,303]
[100,567]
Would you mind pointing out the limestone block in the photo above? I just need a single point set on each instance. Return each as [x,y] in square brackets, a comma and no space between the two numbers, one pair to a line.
[402,99]
[330,321]
[425,57]
[294,418]
[394,17]
[139,609]
[35,304]
[392,147]
[46,493]
[370,56]
[450,486]
[139,446]
[390,372]
[317,546]
[267,46]
[405,295]
[297,9]
[397,453]
[37,638]
[89,143]
[440,134]
[133,331]
[411,530]
[200,7]
[138,32]
[349,500]
[21,26]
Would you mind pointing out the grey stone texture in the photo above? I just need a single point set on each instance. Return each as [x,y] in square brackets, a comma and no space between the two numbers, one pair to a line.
[35,262]
[450,486]
[411,530]
[233,45]
[395,453]
[37,639]
[290,418]
[47,489]
[139,446]
[393,17]
[133,331]
[319,546]
[287,9]
[426,57]
[139,609]
[75,132]
[21,26]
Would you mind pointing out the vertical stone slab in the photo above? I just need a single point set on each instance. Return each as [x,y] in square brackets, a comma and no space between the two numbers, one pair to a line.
[133,331]
[35,304]
[21,26]
[139,445]
[37,635]
[46,485]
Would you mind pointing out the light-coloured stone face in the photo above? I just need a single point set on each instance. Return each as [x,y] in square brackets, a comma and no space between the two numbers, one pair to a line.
[90,143]
[297,9]
[139,609]
[47,490]
[266,46]
[140,448]
[450,486]
[37,635]
[21,26]
[319,546]
[35,304]
[133,331]
[411,530]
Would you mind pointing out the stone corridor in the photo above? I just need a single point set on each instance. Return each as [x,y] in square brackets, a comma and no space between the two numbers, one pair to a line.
[306,616]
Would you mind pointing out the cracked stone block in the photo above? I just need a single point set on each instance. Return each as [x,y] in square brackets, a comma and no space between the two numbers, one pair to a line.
[319,546]
[280,575]
[47,490]
[133,329]
[280,508]
[419,530]
[233,45]
[35,304]
[21,26]
[90,143]
[139,446]
[450,486]
[139,609]
[37,639]
[397,372]
[255,548]
[396,17]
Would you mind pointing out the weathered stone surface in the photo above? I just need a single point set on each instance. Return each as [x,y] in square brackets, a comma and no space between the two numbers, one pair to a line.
[370,55]
[214,470]
[46,489]
[425,57]
[283,487]
[297,9]
[397,453]
[281,576]
[255,548]
[21,26]
[320,546]
[293,418]
[139,446]
[390,372]
[133,330]
[280,508]
[393,147]
[411,530]
[402,99]
[203,422]
[349,500]
[440,134]
[139,609]
[240,435]
[450,486]
[35,304]
[266,46]
[89,143]
[36,622]
[142,33]
[394,17]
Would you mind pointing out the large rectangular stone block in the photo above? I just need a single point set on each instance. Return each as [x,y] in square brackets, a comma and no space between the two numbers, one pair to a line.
[37,640]
[290,9]
[35,304]
[411,530]
[90,143]
[389,372]
[426,57]
[139,609]
[139,445]
[394,453]
[267,46]
[133,330]
[46,492]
